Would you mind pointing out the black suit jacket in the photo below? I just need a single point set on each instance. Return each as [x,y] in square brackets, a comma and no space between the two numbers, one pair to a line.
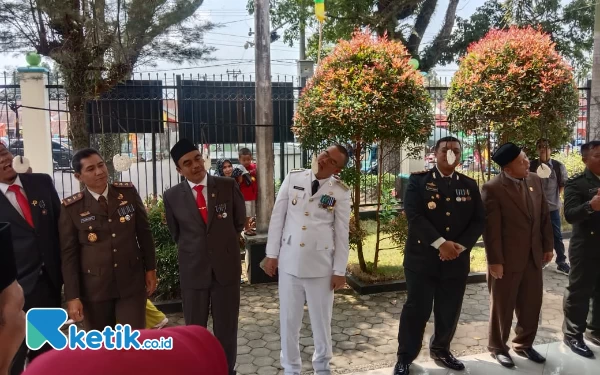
[435,209]
[40,244]
[207,248]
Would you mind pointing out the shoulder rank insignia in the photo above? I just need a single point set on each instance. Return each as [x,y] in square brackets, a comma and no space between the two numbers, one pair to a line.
[343,185]
[297,170]
[464,176]
[420,172]
[123,184]
[72,199]
[575,177]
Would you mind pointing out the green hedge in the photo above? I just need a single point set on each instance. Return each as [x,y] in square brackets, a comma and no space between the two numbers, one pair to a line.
[167,265]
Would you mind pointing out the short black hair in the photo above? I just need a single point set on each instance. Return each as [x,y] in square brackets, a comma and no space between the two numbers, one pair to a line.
[586,147]
[446,139]
[244,151]
[80,155]
[344,152]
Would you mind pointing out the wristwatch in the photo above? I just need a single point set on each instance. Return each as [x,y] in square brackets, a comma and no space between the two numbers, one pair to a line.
[588,207]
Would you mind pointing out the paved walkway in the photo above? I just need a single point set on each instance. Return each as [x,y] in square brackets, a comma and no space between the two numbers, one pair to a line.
[559,361]
[364,328]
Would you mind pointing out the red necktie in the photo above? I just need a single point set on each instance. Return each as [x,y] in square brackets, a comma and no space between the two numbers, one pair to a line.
[22,203]
[201,202]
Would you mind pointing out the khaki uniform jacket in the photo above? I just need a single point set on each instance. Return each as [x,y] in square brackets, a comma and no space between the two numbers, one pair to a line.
[105,256]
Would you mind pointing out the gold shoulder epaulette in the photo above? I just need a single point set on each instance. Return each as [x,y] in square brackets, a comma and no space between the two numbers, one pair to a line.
[343,185]
[72,199]
[123,184]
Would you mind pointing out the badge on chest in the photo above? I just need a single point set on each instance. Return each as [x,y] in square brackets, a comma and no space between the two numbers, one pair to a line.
[125,211]
[463,195]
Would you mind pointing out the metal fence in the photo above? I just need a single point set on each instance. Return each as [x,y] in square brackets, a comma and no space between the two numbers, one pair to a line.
[143,117]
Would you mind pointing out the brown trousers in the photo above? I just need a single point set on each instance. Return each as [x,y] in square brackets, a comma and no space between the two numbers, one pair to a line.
[129,310]
[521,293]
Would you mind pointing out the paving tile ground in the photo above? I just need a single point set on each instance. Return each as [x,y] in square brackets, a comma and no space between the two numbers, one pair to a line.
[365,328]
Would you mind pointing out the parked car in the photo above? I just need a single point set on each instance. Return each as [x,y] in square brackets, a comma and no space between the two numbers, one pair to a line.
[61,155]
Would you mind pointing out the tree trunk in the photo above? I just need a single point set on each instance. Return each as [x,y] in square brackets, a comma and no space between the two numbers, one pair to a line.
[594,116]
[378,217]
[356,203]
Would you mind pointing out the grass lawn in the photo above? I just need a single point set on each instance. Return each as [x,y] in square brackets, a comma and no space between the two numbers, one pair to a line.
[390,261]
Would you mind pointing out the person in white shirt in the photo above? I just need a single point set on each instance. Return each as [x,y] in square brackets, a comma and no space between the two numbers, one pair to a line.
[308,242]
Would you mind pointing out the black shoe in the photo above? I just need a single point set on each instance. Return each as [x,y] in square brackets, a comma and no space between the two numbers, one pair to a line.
[563,268]
[578,347]
[531,354]
[594,339]
[504,359]
[401,368]
[449,361]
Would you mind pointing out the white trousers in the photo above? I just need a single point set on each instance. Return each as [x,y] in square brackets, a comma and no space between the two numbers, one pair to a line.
[293,292]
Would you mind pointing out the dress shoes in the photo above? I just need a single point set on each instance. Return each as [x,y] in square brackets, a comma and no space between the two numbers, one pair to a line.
[594,339]
[578,346]
[401,368]
[449,361]
[504,359]
[531,354]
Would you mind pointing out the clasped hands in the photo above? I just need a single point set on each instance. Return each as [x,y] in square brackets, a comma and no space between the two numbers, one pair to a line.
[449,250]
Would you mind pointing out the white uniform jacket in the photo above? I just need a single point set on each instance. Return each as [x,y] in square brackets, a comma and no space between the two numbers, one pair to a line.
[308,240]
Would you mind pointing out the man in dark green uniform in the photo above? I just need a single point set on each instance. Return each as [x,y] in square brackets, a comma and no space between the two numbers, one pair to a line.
[445,219]
[582,210]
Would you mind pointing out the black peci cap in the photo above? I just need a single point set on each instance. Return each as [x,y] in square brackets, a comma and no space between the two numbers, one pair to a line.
[181,148]
[506,153]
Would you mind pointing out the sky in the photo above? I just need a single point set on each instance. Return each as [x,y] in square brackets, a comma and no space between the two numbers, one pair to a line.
[233,35]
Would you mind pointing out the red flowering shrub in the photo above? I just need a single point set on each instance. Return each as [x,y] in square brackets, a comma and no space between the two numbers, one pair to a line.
[514,81]
[364,93]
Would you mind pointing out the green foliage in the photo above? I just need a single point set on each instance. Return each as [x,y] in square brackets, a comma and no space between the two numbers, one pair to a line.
[570,26]
[572,162]
[516,83]
[406,21]
[167,265]
[369,185]
[364,92]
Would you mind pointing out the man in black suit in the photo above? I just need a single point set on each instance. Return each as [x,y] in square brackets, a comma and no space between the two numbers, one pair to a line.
[30,203]
[12,317]
[445,219]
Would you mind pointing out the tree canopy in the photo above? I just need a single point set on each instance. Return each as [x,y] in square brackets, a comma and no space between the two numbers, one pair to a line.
[406,21]
[569,26]
[96,44]
[514,83]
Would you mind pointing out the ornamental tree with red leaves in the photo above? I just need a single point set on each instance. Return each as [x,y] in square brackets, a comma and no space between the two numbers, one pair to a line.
[363,93]
[515,85]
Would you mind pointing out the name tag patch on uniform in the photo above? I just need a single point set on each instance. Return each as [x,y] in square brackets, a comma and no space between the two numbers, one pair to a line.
[220,210]
[88,219]
[299,188]
[431,187]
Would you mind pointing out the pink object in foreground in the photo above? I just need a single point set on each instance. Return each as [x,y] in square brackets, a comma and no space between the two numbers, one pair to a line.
[195,352]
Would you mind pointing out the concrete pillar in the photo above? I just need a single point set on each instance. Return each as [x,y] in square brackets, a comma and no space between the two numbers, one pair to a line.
[35,123]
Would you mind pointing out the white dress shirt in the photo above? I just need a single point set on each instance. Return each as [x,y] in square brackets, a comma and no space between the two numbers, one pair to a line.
[12,198]
[96,195]
[204,192]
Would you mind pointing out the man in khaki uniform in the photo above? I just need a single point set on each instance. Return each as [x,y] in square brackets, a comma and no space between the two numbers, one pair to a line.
[108,255]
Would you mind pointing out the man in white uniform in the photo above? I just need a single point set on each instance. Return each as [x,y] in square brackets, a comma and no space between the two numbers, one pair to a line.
[308,241]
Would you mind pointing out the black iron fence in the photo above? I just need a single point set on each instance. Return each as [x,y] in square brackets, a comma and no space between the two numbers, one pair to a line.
[143,117]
